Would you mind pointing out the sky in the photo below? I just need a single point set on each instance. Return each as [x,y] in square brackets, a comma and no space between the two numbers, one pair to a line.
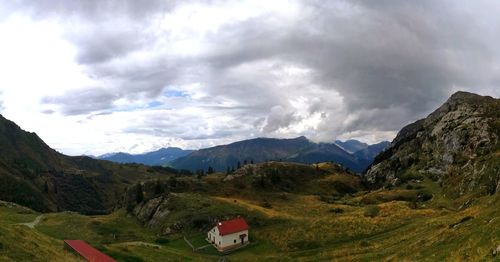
[99,76]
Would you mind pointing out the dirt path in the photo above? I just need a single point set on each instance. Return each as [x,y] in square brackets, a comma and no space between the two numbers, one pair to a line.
[137,243]
[34,223]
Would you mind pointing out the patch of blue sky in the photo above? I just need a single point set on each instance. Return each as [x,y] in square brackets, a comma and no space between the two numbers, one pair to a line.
[154,104]
[175,93]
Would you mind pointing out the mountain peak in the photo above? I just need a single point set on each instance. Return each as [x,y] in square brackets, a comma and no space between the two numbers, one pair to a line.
[462,134]
[466,97]
[301,138]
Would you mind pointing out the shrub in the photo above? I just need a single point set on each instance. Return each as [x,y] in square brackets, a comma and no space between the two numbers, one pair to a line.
[411,175]
[409,187]
[266,204]
[364,243]
[162,240]
[336,210]
[371,211]
[284,196]
[413,205]
[327,199]
[424,196]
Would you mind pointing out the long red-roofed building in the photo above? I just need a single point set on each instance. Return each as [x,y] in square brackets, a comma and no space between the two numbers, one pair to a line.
[86,251]
[229,234]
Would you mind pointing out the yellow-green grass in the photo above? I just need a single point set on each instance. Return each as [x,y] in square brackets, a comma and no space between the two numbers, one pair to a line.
[114,228]
[20,243]
[295,227]
[303,228]
[12,214]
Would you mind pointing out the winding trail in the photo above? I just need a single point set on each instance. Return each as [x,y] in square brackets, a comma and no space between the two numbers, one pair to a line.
[137,243]
[34,223]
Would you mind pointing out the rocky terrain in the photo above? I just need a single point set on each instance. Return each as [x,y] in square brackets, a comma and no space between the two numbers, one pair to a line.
[457,146]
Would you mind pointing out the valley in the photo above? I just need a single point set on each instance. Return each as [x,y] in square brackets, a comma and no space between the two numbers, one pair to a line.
[338,229]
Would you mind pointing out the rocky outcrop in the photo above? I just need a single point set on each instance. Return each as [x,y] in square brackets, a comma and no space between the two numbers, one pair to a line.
[152,212]
[457,146]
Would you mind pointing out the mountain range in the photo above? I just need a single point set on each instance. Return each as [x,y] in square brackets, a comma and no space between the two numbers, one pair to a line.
[160,157]
[299,149]
[353,154]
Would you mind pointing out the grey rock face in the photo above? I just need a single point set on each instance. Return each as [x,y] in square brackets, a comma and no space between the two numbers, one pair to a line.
[153,211]
[457,144]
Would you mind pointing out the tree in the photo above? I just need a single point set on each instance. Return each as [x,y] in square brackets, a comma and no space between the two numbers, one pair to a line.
[262,182]
[139,193]
[228,171]
[245,162]
[200,173]
[239,165]
[251,161]
[210,170]
[46,187]
[158,188]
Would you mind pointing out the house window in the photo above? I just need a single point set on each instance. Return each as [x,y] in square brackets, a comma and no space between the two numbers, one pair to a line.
[235,241]
[219,243]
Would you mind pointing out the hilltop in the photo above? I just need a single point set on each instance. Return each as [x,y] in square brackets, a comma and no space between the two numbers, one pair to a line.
[457,146]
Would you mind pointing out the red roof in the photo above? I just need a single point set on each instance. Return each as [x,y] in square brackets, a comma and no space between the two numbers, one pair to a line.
[88,252]
[232,226]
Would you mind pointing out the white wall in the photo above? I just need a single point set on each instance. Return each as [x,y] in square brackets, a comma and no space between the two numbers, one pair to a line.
[227,240]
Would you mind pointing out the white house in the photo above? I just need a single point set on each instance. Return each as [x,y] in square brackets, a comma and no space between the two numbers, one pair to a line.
[229,234]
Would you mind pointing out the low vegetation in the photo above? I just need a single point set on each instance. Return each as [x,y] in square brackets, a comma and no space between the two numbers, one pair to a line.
[319,221]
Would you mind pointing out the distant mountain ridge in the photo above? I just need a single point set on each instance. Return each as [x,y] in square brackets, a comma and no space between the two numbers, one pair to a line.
[162,156]
[259,150]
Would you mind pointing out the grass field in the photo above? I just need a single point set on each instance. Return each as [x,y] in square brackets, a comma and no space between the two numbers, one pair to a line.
[366,226]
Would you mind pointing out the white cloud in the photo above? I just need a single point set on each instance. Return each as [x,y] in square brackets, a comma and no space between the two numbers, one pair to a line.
[98,76]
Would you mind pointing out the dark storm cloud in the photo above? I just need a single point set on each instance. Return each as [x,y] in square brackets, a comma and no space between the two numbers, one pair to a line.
[402,59]
[390,61]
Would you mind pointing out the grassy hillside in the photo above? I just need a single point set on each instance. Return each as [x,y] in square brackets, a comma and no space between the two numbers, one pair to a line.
[34,175]
[413,221]
[20,243]
[345,229]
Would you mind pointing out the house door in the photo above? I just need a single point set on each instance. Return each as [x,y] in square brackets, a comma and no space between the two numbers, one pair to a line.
[242,237]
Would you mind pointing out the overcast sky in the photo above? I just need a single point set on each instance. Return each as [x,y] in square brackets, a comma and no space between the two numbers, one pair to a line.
[97,76]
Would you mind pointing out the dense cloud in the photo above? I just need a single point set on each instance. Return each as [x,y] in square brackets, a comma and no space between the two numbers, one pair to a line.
[224,70]
[1,103]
